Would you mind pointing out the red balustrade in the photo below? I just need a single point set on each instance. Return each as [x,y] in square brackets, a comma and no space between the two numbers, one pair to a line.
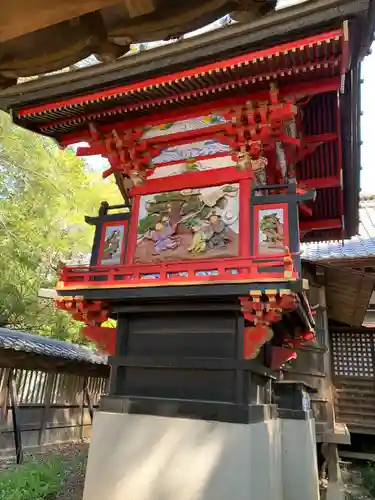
[274,268]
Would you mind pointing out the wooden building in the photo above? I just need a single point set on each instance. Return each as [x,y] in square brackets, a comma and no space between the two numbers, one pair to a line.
[229,149]
[352,339]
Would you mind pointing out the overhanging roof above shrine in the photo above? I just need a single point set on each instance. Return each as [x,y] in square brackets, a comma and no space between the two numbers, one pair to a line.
[293,66]
[313,48]
[306,19]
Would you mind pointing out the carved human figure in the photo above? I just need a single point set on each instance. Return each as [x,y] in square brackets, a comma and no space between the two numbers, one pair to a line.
[219,238]
[111,244]
[163,236]
[273,230]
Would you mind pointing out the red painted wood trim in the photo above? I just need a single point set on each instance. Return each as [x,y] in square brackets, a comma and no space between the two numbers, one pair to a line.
[273,206]
[321,183]
[243,59]
[154,103]
[317,225]
[305,89]
[133,232]
[185,113]
[102,239]
[320,138]
[103,337]
[244,218]
[192,180]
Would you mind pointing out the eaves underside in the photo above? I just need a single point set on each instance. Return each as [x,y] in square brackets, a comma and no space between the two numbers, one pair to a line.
[285,25]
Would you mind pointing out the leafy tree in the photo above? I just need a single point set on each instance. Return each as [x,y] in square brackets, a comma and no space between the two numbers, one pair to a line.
[44,195]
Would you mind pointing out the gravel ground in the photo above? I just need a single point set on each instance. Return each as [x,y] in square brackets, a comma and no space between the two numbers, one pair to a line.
[75,456]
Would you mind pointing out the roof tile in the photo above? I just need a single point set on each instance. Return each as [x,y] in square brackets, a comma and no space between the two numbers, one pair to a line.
[362,245]
[38,344]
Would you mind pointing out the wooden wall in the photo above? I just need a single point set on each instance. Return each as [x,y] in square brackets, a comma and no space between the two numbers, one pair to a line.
[312,366]
[353,372]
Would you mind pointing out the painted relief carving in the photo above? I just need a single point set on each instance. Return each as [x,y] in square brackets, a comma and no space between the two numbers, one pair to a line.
[271,231]
[188,224]
[192,150]
[188,125]
[192,165]
[113,243]
[258,164]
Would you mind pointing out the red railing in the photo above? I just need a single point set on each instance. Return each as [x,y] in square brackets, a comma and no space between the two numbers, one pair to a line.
[275,268]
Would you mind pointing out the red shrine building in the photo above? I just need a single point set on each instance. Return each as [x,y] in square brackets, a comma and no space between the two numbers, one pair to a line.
[230,149]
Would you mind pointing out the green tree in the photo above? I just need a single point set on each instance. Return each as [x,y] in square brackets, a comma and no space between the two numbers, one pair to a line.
[44,195]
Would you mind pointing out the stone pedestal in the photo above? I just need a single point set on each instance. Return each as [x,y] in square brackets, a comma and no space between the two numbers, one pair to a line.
[299,462]
[187,418]
[146,457]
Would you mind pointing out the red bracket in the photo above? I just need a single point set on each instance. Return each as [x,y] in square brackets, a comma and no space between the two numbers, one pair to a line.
[280,356]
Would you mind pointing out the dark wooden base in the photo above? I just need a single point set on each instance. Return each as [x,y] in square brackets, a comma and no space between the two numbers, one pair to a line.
[186,358]
[178,292]
[200,410]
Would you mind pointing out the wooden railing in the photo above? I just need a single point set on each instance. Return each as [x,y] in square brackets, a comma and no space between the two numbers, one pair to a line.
[266,268]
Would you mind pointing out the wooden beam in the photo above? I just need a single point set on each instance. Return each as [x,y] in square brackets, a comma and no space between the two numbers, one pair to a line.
[15,416]
[138,8]
[358,455]
[319,225]
[4,398]
[321,183]
[19,17]
[87,399]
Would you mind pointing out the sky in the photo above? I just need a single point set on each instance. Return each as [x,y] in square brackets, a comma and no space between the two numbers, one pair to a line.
[368,124]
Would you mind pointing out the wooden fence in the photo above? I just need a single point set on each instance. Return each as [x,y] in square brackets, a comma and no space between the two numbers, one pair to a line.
[47,399]
[50,407]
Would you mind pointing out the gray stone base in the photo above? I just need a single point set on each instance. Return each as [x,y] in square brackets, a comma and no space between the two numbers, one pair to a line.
[144,457]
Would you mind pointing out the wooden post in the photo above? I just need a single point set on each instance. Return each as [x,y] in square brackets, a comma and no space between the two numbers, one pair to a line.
[83,406]
[15,414]
[49,384]
[87,398]
[4,397]
[4,401]
[328,390]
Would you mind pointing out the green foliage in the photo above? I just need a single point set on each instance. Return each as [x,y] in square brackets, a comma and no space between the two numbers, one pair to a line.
[33,481]
[147,223]
[44,195]
[368,474]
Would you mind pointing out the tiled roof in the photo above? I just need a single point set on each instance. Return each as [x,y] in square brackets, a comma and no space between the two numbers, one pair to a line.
[362,245]
[37,344]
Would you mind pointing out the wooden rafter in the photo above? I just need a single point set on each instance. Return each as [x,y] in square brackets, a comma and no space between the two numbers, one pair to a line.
[19,17]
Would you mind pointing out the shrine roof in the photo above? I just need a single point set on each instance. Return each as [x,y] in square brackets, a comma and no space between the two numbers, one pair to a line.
[360,246]
[37,344]
[318,57]
[283,26]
